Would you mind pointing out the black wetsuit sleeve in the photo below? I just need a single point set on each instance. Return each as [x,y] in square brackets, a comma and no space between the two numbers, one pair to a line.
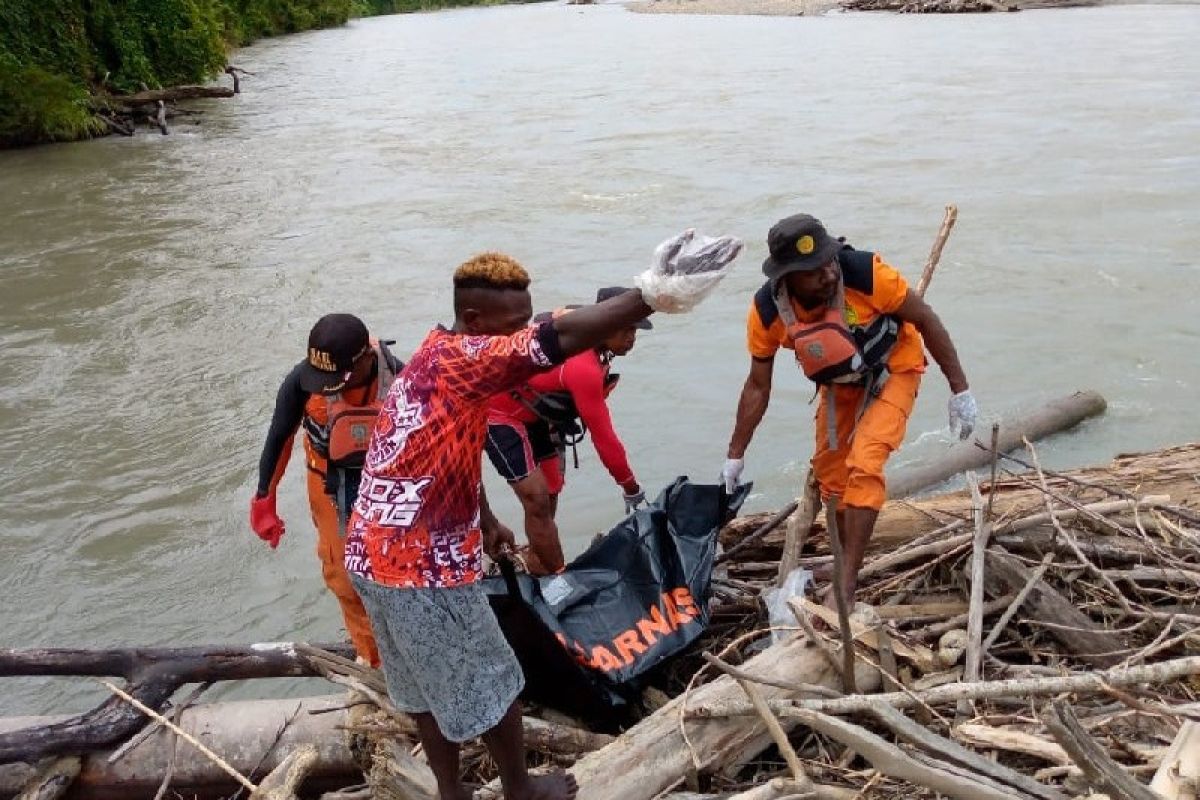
[289,411]
[547,336]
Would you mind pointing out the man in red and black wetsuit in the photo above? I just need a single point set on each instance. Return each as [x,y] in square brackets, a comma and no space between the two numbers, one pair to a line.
[529,427]
[415,541]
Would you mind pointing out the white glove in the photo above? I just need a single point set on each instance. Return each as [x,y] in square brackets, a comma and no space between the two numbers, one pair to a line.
[686,269]
[731,473]
[632,501]
[963,413]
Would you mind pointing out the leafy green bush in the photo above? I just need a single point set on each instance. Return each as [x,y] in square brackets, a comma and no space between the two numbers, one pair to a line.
[36,106]
[54,52]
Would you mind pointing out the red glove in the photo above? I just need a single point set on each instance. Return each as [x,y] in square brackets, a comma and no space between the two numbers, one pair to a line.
[265,522]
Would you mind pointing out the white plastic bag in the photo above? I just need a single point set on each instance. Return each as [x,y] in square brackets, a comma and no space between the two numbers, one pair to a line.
[779,614]
[686,269]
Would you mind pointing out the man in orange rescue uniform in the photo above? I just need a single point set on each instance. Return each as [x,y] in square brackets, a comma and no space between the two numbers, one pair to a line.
[860,334]
[335,394]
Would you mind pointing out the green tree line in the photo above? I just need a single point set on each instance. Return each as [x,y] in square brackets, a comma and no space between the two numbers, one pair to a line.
[56,54]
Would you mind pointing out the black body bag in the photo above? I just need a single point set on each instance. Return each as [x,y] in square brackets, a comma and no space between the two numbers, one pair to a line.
[636,597]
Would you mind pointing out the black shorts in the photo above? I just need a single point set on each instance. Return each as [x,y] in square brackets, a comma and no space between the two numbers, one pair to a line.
[517,449]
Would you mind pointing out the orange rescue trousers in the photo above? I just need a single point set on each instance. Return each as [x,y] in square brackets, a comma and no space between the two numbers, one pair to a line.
[331,551]
[854,470]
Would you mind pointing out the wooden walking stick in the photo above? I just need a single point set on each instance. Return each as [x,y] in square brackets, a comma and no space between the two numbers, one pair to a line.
[809,501]
[840,600]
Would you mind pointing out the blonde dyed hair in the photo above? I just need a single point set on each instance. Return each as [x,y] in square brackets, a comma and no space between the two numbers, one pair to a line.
[491,270]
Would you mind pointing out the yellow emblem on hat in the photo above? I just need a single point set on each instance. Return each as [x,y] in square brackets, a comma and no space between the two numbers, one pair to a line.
[805,245]
[321,360]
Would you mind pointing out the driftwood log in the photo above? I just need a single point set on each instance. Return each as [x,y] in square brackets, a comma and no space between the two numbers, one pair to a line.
[254,736]
[652,756]
[170,95]
[152,674]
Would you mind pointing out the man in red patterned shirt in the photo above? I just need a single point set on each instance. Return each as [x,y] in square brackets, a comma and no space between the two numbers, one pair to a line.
[414,541]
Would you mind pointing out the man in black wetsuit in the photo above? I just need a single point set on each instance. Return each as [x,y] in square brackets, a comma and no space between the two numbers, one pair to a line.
[335,394]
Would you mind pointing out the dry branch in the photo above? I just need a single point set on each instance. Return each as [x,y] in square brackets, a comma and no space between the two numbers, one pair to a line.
[1101,771]
[1087,683]
[52,780]
[891,760]
[943,748]
[1074,629]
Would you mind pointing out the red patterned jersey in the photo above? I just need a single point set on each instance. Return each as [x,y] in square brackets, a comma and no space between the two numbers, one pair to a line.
[416,521]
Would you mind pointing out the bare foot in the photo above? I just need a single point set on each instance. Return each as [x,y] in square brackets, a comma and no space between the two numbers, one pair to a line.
[557,785]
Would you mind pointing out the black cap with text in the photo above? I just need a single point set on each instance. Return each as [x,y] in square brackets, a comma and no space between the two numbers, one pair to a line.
[334,344]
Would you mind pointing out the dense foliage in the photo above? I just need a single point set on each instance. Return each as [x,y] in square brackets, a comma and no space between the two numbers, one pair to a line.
[366,8]
[55,53]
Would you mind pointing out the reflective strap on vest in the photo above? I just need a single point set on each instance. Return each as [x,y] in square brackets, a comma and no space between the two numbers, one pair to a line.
[873,385]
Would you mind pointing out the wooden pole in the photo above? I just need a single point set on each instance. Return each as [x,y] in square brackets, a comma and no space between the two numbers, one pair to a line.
[935,252]
[839,593]
[799,524]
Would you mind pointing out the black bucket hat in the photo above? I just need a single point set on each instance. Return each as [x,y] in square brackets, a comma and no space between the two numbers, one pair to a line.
[334,344]
[798,243]
[612,291]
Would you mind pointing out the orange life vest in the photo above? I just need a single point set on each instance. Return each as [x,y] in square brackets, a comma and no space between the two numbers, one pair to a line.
[828,350]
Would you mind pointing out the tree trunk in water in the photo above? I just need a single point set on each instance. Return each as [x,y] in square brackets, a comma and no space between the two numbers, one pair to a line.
[151,96]
[1057,415]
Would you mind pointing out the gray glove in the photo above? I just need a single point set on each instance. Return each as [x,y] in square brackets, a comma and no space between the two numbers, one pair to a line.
[686,269]
[964,413]
[731,473]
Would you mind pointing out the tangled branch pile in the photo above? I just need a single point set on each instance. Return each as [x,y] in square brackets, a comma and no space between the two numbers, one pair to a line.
[1035,638]
[1094,571]
[1081,675]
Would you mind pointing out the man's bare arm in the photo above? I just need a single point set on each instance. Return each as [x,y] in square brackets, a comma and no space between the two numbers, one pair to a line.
[752,405]
[937,339]
[589,326]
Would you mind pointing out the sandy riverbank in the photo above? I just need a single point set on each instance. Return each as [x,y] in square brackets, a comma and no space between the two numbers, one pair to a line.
[794,8]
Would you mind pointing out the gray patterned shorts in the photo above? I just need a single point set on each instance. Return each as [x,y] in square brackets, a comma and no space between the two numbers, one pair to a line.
[443,653]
